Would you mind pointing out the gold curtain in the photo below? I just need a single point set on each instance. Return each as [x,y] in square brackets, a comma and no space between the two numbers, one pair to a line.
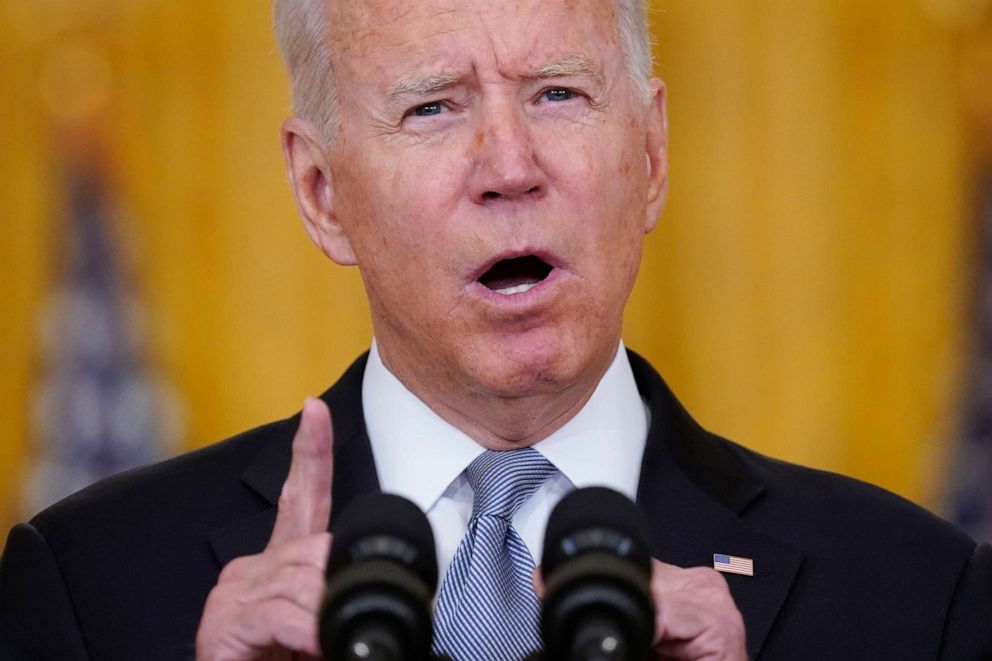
[806,291]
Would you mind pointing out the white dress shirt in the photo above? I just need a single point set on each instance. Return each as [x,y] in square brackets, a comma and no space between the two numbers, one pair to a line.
[420,456]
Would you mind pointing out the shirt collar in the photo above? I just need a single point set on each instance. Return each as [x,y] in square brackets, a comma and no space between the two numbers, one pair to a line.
[604,443]
[418,454]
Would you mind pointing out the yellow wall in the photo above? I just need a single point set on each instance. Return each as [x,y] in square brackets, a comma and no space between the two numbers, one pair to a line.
[805,292]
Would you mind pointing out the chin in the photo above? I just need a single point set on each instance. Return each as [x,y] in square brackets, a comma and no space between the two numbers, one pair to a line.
[527,368]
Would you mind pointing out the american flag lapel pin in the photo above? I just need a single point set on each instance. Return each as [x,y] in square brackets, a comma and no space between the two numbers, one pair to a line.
[731,564]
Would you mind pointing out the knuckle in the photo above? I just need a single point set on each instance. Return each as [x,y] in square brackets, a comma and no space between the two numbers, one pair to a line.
[733,630]
[322,549]
[218,613]
[300,579]
[274,614]
[310,549]
[236,568]
[219,596]
[709,578]
[268,614]
[212,604]
[738,625]
[286,497]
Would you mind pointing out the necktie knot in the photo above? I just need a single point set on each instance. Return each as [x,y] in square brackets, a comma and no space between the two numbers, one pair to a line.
[503,481]
[487,608]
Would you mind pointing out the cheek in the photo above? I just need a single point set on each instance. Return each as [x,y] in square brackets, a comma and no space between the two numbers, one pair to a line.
[602,157]
[381,200]
[605,185]
[419,200]
[397,213]
[606,193]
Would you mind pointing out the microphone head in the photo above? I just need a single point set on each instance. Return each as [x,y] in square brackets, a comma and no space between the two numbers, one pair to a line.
[380,526]
[595,519]
[597,573]
[381,575]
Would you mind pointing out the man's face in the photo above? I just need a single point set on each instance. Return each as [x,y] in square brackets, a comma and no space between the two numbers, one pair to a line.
[494,175]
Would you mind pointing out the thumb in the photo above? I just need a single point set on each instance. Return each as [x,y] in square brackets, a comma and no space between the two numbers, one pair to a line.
[537,580]
[305,501]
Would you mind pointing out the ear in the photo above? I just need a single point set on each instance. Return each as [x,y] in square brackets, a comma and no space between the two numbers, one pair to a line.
[657,154]
[310,177]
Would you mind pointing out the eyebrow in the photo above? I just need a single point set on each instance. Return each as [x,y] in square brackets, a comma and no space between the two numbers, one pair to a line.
[420,85]
[573,65]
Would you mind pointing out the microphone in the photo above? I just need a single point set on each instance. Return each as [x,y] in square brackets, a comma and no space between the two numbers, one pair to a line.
[381,577]
[597,571]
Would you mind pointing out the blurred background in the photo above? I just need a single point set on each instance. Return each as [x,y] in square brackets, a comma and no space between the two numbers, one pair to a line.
[819,288]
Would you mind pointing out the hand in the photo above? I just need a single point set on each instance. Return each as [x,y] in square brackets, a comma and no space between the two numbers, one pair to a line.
[695,616]
[696,619]
[265,606]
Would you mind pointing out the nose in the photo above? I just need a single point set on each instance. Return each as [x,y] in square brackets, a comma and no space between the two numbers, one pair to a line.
[505,164]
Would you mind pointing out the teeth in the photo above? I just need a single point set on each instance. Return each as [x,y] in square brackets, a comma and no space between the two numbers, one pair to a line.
[519,289]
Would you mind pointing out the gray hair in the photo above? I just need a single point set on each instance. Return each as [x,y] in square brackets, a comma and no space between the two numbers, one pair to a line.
[301,30]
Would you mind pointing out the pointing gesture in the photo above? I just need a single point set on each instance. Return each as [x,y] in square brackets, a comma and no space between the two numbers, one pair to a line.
[265,606]
[305,501]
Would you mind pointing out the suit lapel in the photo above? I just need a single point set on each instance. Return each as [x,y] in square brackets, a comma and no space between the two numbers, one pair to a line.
[354,468]
[695,489]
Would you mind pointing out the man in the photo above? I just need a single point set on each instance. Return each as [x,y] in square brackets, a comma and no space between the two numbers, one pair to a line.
[492,167]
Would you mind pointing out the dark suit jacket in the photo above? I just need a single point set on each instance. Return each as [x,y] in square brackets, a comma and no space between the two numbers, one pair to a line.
[842,570]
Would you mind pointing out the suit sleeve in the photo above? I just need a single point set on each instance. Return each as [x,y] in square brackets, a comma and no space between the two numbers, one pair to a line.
[968,629]
[37,620]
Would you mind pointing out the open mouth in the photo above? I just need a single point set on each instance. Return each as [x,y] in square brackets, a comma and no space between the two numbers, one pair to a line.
[516,275]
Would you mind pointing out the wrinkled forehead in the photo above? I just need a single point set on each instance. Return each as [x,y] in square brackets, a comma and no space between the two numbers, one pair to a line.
[371,34]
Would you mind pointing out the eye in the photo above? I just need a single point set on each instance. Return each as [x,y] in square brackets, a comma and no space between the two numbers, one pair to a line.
[428,109]
[557,94]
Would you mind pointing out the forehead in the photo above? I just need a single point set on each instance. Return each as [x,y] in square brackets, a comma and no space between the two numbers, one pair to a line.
[371,37]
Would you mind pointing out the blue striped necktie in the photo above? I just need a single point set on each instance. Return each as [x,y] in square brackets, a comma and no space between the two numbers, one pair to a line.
[487,608]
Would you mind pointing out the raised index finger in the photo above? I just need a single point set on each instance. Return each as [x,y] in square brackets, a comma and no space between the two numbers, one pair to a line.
[305,501]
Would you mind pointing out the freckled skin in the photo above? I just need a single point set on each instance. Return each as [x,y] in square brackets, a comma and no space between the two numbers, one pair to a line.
[423,202]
